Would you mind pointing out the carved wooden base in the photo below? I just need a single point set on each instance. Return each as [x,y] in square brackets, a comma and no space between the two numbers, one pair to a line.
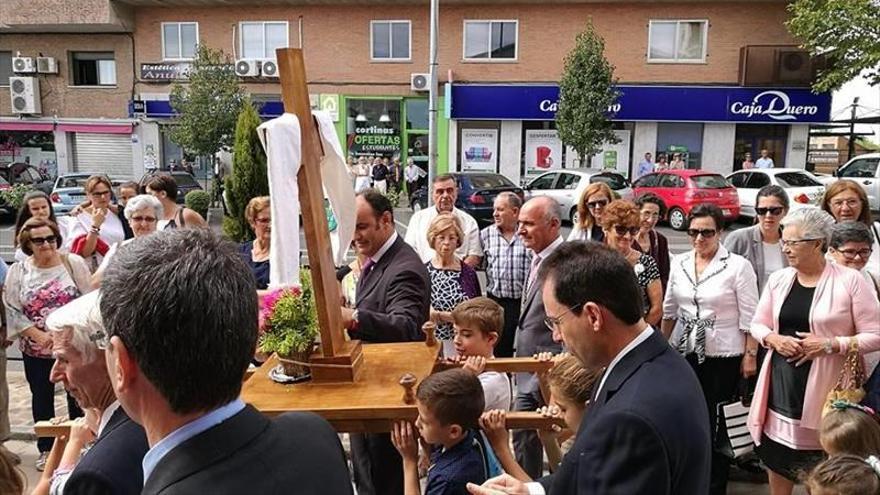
[341,368]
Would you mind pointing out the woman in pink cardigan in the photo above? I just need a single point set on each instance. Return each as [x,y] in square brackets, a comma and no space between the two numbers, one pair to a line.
[807,315]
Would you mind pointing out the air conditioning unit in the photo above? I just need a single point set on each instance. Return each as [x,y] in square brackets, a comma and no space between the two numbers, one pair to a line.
[793,66]
[420,82]
[269,68]
[23,65]
[47,65]
[25,95]
[247,68]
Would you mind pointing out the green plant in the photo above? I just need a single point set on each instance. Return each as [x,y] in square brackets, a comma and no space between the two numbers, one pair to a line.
[14,197]
[289,319]
[393,195]
[199,201]
[249,177]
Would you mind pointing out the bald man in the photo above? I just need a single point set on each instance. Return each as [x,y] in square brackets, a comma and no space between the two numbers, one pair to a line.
[539,225]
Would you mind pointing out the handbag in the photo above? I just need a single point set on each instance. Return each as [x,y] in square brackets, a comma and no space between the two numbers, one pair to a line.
[733,439]
[850,381]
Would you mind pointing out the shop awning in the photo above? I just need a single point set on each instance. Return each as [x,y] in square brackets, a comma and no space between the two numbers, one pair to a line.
[24,125]
[96,128]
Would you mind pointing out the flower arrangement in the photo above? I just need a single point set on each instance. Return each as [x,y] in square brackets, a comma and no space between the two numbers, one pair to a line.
[289,321]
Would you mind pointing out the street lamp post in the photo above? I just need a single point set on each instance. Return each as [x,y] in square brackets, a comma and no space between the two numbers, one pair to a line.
[432,98]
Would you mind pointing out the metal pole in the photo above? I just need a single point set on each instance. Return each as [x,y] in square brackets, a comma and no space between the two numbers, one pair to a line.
[851,146]
[432,98]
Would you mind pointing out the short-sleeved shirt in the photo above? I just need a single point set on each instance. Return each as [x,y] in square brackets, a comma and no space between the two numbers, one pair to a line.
[452,469]
[496,390]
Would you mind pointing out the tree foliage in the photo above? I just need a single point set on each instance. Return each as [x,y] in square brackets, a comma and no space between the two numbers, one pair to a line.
[586,93]
[207,105]
[847,32]
[249,177]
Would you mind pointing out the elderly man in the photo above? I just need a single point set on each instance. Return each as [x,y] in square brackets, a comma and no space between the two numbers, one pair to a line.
[444,190]
[646,429]
[392,302]
[539,225]
[180,308]
[113,464]
[507,265]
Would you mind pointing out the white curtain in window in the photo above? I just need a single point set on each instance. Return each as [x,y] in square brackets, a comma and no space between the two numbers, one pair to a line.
[107,72]
[690,40]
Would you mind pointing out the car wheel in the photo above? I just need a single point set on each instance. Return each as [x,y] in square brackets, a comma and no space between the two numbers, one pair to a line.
[573,215]
[677,219]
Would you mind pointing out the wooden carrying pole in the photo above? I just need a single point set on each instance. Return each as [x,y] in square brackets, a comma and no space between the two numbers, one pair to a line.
[340,359]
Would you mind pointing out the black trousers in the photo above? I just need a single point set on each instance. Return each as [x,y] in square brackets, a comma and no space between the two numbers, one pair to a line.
[378,467]
[719,378]
[36,371]
[511,306]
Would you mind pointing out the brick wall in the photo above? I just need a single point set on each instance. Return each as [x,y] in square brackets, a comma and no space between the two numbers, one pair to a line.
[338,51]
[61,99]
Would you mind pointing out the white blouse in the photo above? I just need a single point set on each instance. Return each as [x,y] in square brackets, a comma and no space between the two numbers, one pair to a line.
[712,312]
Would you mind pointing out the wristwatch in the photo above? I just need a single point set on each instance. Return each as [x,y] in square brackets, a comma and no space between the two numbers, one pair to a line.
[354,320]
[828,345]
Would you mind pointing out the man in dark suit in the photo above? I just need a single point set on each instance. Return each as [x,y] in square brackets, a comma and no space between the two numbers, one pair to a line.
[646,429]
[113,464]
[539,224]
[180,308]
[393,298]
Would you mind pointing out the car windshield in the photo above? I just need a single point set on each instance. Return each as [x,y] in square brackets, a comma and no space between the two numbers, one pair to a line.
[710,181]
[614,181]
[489,181]
[796,179]
[73,181]
[185,180]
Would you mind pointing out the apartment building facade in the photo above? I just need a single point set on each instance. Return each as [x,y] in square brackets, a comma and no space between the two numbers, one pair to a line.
[709,80]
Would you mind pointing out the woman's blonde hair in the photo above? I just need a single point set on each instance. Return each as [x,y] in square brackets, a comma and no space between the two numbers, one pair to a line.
[850,429]
[585,218]
[254,207]
[442,223]
[574,382]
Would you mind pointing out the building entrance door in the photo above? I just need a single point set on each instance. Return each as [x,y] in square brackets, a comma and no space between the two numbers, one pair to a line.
[752,138]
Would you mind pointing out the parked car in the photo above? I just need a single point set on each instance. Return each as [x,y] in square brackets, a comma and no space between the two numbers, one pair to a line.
[70,190]
[567,185]
[681,190]
[185,182]
[476,194]
[865,170]
[803,188]
[27,174]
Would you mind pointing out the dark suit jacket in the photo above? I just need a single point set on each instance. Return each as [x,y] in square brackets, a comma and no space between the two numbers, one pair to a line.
[248,453]
[646,432]
[394,298]
[113,465]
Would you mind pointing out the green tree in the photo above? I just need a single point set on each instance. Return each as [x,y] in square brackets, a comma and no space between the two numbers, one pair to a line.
[249,177]
[586,93]
[846,32]
[207,105]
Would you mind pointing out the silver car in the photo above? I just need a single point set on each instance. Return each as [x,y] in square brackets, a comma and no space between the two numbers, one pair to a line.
[864,170]
[567,185]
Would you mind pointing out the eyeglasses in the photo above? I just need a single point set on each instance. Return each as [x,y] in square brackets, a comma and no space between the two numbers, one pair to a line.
[851,254]
[100,194]
[39,241]
[554,321]
[650,214]
[597,204]
[706,233]
[795,242]
[143,219]
[264,221]
[622,230]
[852,203]
[773,210]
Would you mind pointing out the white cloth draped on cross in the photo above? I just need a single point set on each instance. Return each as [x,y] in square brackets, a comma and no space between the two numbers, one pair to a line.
[281,138]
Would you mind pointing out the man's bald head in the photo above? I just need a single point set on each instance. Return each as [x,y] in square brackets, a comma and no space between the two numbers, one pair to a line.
[539,223]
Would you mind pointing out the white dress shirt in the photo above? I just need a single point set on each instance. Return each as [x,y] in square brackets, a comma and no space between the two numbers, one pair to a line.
[417,234]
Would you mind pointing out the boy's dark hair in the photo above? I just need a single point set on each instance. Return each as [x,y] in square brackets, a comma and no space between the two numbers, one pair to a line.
[163,183]
[454,397]
[480,313]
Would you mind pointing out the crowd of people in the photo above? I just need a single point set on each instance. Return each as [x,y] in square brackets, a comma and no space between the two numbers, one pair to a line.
[645,349]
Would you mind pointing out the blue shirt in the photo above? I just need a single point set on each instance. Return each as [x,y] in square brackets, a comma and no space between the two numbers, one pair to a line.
[452,469]
[187,431]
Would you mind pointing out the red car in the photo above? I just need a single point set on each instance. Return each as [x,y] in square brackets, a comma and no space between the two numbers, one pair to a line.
[681,190]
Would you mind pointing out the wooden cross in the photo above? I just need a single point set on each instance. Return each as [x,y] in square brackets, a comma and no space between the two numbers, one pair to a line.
[339,360]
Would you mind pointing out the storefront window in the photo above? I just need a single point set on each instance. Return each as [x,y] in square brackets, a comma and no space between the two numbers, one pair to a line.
[478,145]
[373,128]
[752,138]
[542,148]
[34,148]
[685,140]
[417,114]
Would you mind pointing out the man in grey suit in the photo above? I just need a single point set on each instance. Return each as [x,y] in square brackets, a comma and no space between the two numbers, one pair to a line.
[539,224]
[391,303]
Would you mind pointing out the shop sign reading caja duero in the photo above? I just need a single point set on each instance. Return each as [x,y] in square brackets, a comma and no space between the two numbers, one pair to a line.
[649,103]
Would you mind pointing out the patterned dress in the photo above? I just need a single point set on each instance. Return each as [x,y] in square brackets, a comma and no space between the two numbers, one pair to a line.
[646,272]
[448,289]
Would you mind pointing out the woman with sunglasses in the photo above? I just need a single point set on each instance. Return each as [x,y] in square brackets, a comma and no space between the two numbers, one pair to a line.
[142,213]
[592,203]
[96,228]
[707,311]
[760,243]
[34,204]
[34,288]
[621,224]
[810,316]
[847,201]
